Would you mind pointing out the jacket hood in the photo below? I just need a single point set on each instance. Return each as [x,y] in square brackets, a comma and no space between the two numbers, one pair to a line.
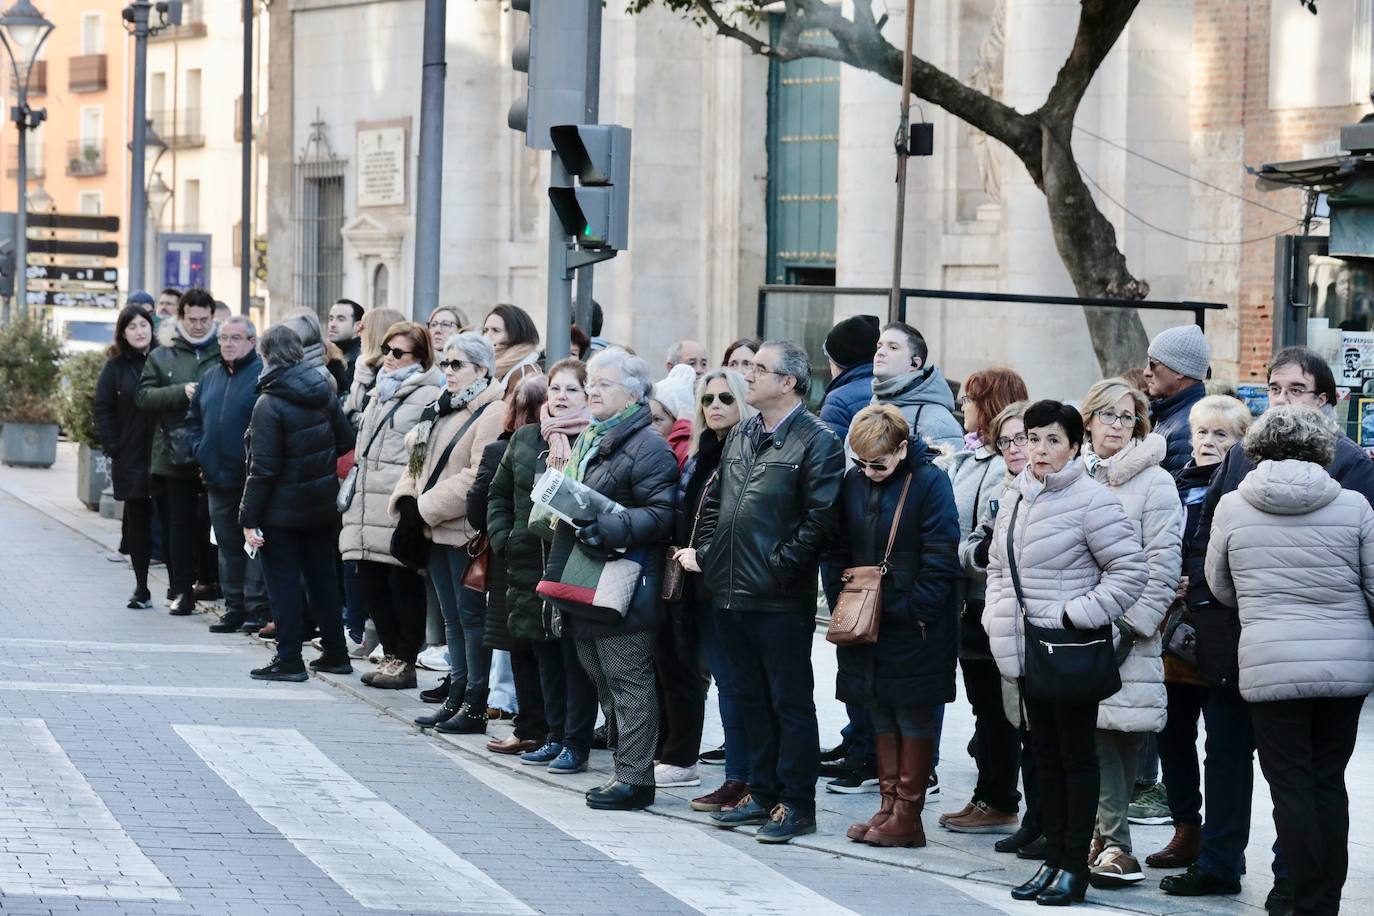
[853,373]
[924,386]
[1289,487]
[1137,456]
[297,383]
[169,335]
[1162,409]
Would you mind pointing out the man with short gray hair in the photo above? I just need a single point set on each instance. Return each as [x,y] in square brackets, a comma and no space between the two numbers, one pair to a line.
[767,517]
[689,353]
[218,417]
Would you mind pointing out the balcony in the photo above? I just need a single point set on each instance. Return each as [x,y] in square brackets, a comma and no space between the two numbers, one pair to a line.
[38,80]
[85,158]
[192,24]
[180,127]
[34,164]
[86,73]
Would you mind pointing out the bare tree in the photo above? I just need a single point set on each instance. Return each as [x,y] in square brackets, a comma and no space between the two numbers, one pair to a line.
[1040,139]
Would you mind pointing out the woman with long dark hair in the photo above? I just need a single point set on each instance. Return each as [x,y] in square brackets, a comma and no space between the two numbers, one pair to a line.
[512,331]
[126,433]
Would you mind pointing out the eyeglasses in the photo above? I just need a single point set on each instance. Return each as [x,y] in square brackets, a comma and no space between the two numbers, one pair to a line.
[602,384]
[878,466]
[396,352]
[963,402]
[1112,418]
[235,338]
[754,369]
[725,397]
[443,325]
[1003,443]
[454,364]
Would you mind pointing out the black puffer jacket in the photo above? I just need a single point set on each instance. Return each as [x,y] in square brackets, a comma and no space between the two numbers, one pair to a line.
[634,466]
[517,550]
[495,632]
[770,514]
[912,664]
[126,432]
[297,433]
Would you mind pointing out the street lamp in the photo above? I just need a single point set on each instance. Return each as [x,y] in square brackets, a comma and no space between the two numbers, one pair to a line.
[23,29]
[159,194]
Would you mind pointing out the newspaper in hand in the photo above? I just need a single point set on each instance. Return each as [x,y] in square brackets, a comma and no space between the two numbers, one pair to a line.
[571,500]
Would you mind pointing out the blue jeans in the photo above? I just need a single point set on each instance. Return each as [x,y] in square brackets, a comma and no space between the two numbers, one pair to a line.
[355,605]
[290,557]
[770,657]
[736,736]
[465,613]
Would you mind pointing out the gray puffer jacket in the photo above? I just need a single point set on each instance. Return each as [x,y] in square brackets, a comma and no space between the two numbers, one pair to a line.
[978,477]
[1149,495]
[1294,552]
[1079,561]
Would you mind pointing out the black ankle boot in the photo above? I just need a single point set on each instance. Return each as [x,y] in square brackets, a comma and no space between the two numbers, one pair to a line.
[1038,882]
[1066,889]
[439,692]
[1023,836]
[453,705]
[471,718]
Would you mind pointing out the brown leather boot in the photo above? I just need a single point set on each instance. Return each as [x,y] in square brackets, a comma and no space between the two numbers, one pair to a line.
[885,749]
[903,826]
[1181,851]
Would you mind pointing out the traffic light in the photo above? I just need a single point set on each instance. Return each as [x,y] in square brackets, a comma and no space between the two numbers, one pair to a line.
[555,55]
[596,211]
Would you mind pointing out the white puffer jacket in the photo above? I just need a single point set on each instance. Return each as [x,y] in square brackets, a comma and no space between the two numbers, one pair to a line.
[1149,495]
[977,477]
[382,457]
[1077,557]
[1294,553]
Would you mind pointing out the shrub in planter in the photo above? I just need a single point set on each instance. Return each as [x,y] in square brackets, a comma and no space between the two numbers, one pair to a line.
[30,362]
[80,373]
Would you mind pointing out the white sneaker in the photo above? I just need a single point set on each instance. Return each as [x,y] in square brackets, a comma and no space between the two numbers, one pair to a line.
[318,643]
[667,776]
[377,654]
[435,658]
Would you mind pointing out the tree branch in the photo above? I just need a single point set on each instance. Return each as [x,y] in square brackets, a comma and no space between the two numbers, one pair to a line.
[1100,24]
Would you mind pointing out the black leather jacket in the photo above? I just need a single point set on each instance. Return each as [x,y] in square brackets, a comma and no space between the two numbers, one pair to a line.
[770,514]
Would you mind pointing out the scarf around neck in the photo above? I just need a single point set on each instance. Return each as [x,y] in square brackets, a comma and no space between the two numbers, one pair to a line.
[447,403]
[388,383]
[586,445]
[512,357]
[196,342]
[559,432]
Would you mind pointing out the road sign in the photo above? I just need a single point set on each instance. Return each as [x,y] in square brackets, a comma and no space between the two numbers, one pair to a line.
[184,260]
[89,298]
[46,247]
[59,286]
[51,272]
[88,222]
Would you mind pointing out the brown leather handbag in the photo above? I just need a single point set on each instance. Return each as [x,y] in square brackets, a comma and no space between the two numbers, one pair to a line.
[860,605]
[479,558]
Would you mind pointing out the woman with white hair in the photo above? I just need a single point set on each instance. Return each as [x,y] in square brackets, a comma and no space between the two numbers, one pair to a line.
[430,503]
[1294,552]
[621,457]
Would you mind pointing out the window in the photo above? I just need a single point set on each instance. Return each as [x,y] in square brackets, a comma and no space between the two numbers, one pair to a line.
[92,33]
[92,123]
[91,203]
[157,94]
[1339,74]
[190,205]
[381,288]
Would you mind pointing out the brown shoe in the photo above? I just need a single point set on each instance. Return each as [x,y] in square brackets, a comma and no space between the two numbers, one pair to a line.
[383,667]
[1095,849]
[903,826]
[400,676]
[512,745]
[493,714]
[724,798]
[983,819]
[958,815]
[885,748]
[1115,868]
[1181,851]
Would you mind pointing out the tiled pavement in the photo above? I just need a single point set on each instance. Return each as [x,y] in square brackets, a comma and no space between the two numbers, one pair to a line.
[129,742]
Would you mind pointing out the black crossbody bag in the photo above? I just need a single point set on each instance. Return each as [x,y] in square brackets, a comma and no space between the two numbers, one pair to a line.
[1063,666]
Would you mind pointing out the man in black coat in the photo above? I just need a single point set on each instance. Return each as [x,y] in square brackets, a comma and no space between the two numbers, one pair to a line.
[220,411]
[1297,377]
[1179,360]
[345,324]
[769,515]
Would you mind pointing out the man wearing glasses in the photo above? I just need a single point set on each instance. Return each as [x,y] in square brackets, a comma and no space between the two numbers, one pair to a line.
[220,411]
[1179,359]
[768,515]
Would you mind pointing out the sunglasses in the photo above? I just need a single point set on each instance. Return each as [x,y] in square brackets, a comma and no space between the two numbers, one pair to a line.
[878,466]
[455,364]
[396,352]
[726,398]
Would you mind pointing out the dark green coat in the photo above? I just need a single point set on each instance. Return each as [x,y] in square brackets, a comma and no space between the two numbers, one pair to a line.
[508,513]
[162,391]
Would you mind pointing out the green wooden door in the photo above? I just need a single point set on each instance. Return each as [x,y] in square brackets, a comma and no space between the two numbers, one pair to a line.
[803,148]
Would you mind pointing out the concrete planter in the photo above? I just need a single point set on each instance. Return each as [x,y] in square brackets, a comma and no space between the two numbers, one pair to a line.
[28,445]
[92,476]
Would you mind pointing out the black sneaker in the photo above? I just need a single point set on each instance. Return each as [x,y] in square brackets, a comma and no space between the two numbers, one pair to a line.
[715,758]
[843,767]
[1198,883]
[332,664]
[252,625]
[1034,850]
[280,670]
[857,781]
[140,600]
[1280,899]
[933,787]
[229,623]
[785,823]
[185,606]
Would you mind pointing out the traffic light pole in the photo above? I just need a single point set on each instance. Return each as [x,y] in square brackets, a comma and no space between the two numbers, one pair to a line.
[429,177]
[246,190]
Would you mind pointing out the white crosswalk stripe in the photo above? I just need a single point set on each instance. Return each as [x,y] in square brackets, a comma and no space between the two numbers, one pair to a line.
[681,859]
[159,690]
[371,850]
[57,838]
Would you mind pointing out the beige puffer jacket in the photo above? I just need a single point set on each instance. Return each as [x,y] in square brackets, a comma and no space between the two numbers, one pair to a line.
[367,524]
[445,507]
[1149,495]
[1294,553]
[1077,556]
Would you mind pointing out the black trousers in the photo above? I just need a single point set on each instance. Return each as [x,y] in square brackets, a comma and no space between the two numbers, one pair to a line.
[1030,782]
[996,744]
[292,557]
[137,530]
[1178,763]
[530,724]
[1304,747]
[570,701]
[395,600]
[1064,738]
[681,689]
[186,535]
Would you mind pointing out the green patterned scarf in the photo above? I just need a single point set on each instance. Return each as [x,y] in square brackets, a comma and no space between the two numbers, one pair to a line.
[591,437]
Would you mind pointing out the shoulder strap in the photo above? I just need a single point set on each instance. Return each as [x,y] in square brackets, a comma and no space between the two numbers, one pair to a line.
[701,503]
[381,426]
[896,520]
[453,443]
[1011,558]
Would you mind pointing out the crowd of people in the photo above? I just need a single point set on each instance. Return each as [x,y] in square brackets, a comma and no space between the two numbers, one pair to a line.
[1101,574]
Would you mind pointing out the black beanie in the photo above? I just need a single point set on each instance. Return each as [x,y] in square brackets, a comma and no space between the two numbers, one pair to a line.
[852,341]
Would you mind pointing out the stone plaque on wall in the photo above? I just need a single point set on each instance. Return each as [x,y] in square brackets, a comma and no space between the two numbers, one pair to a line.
[381,166]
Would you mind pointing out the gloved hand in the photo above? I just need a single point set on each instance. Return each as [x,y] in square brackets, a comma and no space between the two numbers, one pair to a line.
[590,534]
[980,553]
[409,509]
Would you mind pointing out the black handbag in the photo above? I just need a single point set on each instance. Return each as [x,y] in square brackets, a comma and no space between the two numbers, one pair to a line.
[181,447]
[1064,666]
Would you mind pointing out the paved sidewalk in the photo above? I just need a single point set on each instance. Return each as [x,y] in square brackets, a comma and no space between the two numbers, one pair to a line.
[956,856]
